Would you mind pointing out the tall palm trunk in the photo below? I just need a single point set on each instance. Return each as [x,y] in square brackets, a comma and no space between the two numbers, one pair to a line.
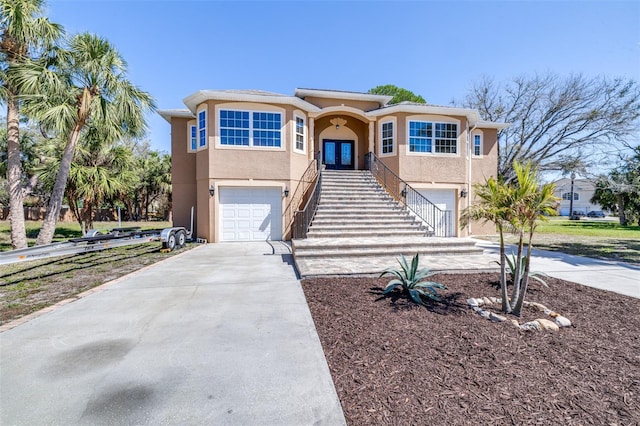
[506,307]
[14,175]
[525,277]
[45,236]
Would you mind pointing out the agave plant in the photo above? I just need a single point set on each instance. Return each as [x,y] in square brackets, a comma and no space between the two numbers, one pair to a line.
[512,262]
[410,279]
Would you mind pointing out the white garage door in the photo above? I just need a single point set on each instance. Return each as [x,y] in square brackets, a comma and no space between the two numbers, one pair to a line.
[250,214]
[445,200]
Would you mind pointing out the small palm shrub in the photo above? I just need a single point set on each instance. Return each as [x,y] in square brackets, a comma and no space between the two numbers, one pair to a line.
[410,279]
[512,262]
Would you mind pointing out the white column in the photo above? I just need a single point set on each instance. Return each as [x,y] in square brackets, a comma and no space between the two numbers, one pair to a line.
[372,126]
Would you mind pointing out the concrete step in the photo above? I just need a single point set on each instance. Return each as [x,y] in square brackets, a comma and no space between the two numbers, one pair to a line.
[355,221]
[355,226]
[361,208]
[387,245]
[360,204]
[364,233]
[370,265]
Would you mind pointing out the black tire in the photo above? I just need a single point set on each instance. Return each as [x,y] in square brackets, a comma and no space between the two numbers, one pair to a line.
[181,239]
[171,242]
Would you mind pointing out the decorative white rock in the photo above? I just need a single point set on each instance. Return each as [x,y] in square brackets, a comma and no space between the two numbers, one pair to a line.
[496,317]
[531,325]
[562,321]
[547,325]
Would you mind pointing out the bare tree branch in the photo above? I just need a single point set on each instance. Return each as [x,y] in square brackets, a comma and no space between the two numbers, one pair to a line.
[554,118]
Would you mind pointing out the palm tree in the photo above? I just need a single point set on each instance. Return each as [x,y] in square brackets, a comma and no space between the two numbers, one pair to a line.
[493,204]
[100,171]
[534,202]
[516,207]
[24,33]
[86,86]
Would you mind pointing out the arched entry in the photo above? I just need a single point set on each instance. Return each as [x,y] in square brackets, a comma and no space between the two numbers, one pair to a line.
[342,141]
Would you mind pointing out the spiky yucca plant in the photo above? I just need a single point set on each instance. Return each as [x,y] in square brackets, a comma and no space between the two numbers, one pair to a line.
[410,279]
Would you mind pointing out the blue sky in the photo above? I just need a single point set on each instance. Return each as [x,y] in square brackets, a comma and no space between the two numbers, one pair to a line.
[435,49]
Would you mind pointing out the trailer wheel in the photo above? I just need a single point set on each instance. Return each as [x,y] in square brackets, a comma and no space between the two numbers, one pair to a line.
[181,239]
[171,242]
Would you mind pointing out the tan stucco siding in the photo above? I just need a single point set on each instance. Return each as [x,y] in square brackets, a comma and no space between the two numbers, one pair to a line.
[328,102]
[486,166]
[483,168]
[436,168]
[183,170]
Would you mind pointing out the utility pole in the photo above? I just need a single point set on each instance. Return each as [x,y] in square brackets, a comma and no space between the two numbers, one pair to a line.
[573,176]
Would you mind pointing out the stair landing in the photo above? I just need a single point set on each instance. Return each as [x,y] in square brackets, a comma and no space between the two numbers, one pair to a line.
[360,256]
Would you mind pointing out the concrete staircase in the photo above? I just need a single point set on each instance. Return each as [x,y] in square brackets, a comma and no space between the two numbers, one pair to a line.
[360,229]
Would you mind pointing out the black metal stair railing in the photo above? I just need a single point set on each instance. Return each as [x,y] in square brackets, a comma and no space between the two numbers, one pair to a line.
[439,222]
[301,194]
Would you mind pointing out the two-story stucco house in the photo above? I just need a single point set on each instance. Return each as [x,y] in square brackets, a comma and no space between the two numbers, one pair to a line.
[583,191]
[238,154]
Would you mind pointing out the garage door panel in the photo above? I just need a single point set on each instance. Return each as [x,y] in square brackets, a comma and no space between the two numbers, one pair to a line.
[251,214]
[445,200]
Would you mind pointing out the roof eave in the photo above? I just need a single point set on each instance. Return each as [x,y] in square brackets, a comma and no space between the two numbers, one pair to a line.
[168,114]
[354,96]
[192,101]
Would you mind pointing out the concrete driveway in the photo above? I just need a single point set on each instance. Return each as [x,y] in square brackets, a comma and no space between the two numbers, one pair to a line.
[220,335]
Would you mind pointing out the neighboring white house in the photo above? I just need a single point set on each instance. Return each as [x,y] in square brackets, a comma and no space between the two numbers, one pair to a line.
[583,190]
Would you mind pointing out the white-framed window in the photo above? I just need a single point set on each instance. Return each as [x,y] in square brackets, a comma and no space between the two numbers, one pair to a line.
[433,137]
[567,196]
[387,140]
[202,129]
[299,133]
[250,128]
[192,137]
[477,145]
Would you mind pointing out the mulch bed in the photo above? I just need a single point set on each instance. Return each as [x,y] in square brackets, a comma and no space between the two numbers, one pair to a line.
[394,362]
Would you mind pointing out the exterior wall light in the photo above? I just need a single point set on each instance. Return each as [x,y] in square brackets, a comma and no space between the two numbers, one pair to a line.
[286,192]
[404,192]
[212,190]
[463,193]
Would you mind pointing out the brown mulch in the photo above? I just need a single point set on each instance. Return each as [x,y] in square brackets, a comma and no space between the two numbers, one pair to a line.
[394,362]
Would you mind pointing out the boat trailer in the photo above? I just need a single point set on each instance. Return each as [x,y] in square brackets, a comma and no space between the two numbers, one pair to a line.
[95,240]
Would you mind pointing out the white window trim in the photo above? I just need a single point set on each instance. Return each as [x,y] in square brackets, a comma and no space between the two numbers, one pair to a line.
[576,196]
[473,144]
[295,134]
[206,134]
[433,120]
[194,126]
[251,147]
[394,145]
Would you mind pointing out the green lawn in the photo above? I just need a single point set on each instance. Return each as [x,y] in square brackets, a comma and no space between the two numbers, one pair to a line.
[66,230]
[590,238]
[587,228]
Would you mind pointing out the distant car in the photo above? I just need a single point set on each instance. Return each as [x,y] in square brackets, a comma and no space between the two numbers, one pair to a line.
[596,213]
[577,213]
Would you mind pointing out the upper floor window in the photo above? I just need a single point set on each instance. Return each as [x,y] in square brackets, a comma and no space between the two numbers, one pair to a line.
[567,196]
[202,129]
[477,145]
[193,137]
[387,138]
[245,128]
[299,134]
[439,138]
